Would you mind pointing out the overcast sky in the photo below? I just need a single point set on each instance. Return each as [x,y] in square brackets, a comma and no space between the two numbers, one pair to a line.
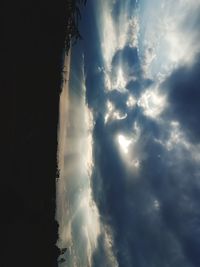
[132,151]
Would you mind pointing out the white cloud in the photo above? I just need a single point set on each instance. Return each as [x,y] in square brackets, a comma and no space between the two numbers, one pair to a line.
[131,102]
[77,214]
[152,102]
[112,113]
[130,148]
[177,142]
[124,143]
[169,31]
[133,31]
[109,246]
[120,81]
[107,31]
[114,35]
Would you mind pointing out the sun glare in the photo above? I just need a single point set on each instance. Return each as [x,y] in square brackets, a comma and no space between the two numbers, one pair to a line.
[124,143]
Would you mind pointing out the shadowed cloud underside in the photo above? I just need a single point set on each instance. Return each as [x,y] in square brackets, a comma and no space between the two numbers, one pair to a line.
[139,75]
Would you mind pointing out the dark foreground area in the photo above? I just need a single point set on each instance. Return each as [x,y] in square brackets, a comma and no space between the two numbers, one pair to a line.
[33,40]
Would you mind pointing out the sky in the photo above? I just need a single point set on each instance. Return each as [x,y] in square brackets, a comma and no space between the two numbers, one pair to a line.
[129,190]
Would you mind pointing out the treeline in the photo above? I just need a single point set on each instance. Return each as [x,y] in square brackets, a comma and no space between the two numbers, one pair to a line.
[73,16]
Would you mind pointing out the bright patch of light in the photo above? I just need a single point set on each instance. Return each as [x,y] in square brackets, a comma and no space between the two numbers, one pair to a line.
[169,36]
[131,102]
[110,108]
[129,151]
[152,103]
[120,81]
[128,146]
[118,116]
[136,163]
[115,36]
[156,204]
[89,141]
[176,39]
[113,114]
[124,143]
[91,217]
[133,31]
[108,35]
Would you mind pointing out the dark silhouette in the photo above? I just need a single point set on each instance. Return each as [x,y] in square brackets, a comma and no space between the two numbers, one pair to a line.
[32,42]
[61,260]
[73,15]
[63,251]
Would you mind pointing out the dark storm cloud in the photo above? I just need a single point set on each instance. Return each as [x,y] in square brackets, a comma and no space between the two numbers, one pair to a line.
[176,181]
[144,233]
[173,181]
[153,213]
[118,99]
[92,48]
[175,184]
[128,57]
[124,208]
[184,98]
[140,234]
[108,166]
[136,87]
[96,97]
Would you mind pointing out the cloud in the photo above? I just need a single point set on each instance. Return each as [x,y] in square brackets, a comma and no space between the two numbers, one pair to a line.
[172,182]
[152,102]
[127,56]
[169,35]
[137,86]
[105,255]
[77,214]
[140,235]
[152,209]
[125,67]
[183,96]
[128,61]
[153,212]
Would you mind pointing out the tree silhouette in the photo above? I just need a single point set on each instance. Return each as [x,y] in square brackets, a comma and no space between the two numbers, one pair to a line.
[72,25]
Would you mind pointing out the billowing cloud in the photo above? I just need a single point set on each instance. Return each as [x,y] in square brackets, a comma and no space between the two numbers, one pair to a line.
[142,88]
[184,94]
